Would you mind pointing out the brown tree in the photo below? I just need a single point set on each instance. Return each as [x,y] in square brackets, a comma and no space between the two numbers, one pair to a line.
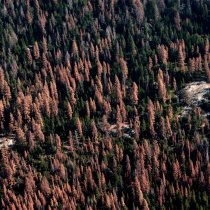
[30,185]
[163,53]
[69,109]
[134,94]
[118,89]
[206,67]
[136,127]
[45,187]
[36,51]
[124,68]
[151,115]
[79,127]
[75,50]
[181,57]
[161,86]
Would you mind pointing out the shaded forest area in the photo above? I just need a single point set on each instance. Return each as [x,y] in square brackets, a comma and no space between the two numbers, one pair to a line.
[89,100]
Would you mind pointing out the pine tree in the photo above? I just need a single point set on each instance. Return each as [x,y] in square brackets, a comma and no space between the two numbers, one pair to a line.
[70,112]
[206,67]
[45,187]
[29,56]
[75,50]
[134,94]
[36,51]
[161,86]
[151,115]
[124,68]
[181,57]
[118,89]
[79,127]
[177,21]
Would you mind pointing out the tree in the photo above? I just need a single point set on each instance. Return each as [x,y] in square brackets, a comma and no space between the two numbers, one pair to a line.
[181,57]
[139,10]
[134,94]
[30,185]
[36,51]
[163,53]
[177,21]
[94,131]
[161,86]
[124,68]
[28,13]
[75,50]
[118,90]
[21,136]
[139,194]
[128,166]
[151,115]
[176,169]
[206,46]
[136,127]
[70,112]
[29,56]
[206,67]
[79,127]
[45,187]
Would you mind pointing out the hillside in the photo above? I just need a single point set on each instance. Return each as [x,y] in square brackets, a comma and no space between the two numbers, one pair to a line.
[91,115]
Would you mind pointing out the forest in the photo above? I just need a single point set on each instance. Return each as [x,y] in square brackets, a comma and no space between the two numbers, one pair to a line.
[104,104]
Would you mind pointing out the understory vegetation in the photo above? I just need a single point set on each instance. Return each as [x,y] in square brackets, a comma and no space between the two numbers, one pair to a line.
[90,90]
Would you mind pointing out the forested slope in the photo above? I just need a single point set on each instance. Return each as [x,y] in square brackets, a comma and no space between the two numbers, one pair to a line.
[89,93]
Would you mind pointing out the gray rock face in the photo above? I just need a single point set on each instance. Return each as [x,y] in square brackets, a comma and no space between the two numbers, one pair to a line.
[6,141]
[195,95]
